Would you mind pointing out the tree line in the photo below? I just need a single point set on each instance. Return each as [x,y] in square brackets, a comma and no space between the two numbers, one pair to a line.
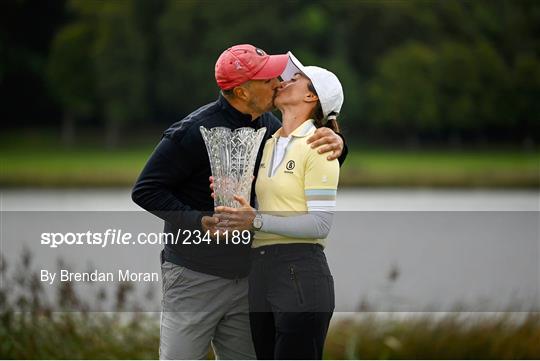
[442,72]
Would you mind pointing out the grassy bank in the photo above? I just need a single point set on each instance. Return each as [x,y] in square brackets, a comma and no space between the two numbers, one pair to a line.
[62,326]
[100,336]
[48,165]
[438,168]
[426,337]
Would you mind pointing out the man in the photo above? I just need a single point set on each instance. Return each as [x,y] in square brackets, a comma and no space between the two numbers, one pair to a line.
[205,284]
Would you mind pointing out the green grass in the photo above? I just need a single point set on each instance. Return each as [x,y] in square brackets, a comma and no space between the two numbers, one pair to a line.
[61,326]
[72,168]
[425,337]
[77,336]
[104,336]
[31,162]
[442,168]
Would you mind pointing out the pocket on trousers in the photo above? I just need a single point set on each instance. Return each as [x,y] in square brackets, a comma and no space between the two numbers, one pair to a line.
[296,284]
[170,275]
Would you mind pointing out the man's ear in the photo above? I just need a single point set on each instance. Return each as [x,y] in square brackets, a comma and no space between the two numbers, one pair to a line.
[241,92]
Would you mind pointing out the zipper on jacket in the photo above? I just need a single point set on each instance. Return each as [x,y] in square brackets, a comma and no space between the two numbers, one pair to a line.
[296,285]
[273,158]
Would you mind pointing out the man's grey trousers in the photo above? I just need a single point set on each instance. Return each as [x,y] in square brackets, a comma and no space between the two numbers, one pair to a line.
[199,310]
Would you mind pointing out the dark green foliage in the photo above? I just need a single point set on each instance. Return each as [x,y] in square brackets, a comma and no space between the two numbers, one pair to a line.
[448,72]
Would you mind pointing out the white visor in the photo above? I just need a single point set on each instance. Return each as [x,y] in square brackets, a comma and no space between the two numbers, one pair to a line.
[326,84]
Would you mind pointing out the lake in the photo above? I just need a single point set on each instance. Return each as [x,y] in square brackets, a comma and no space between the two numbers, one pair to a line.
[389,249]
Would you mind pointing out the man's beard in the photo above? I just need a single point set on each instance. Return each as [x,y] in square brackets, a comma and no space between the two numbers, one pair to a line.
[268,108]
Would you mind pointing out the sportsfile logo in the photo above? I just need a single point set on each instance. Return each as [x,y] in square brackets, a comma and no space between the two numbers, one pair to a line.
[119,237]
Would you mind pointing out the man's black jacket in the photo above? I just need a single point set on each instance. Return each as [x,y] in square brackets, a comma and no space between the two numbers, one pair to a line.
[174,186]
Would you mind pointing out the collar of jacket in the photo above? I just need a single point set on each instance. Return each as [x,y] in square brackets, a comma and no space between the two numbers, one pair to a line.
[238,118]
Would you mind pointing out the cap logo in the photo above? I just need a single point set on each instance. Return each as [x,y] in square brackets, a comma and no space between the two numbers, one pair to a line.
[260,52]
[238,65]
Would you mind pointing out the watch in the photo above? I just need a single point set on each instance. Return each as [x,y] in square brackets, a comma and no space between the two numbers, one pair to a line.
[257,222]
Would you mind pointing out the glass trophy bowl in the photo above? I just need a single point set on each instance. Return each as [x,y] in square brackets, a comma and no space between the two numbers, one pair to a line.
[232,155]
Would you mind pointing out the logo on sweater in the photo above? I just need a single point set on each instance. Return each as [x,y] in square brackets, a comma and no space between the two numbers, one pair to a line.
[290,165]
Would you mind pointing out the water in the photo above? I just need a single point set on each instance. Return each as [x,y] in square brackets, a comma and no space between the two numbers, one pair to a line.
[389,250]
[348,200]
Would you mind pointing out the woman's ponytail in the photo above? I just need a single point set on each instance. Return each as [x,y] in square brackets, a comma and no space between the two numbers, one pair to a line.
[332,122]
[318,115]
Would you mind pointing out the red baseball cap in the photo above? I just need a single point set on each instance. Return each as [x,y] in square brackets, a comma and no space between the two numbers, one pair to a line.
[245,62]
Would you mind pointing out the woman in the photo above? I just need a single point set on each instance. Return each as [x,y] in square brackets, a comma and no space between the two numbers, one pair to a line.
[291,290]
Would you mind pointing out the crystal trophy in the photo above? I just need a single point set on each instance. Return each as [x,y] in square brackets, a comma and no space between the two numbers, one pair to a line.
[232,154]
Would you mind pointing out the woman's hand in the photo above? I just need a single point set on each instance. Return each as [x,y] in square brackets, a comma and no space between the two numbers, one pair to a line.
[235,218]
